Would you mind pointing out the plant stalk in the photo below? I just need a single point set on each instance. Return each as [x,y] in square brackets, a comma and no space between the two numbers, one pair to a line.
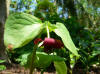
[42,71]
[48,34]
[33,59]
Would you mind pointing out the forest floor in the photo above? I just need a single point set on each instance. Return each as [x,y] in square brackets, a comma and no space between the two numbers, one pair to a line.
[17,69]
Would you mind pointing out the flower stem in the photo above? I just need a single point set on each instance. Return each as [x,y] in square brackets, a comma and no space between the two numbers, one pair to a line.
[33,59]
[48,34]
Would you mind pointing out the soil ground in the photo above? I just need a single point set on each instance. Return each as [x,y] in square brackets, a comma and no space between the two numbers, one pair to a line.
[17,69]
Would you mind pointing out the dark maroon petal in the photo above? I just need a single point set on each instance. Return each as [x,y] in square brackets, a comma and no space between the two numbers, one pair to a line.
[36,41]
[58,44]
[47,48]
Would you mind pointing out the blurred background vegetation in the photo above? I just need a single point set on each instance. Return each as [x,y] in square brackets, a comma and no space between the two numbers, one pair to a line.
[81,17]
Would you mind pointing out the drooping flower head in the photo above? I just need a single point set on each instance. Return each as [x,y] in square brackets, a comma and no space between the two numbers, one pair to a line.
[50,44]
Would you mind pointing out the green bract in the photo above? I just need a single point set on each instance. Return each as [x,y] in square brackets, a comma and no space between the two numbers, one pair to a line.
[65,36]
[60,67]
[20,29]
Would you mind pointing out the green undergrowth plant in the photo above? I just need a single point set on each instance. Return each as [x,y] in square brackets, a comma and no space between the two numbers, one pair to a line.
[24,36]
[2,67]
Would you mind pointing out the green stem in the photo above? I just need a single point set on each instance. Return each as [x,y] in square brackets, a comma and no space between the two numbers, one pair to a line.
[48,35]
[33,59]
[42,71]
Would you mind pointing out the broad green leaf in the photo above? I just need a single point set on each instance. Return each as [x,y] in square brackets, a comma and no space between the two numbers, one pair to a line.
[21,28]
[65,36]
[60,67]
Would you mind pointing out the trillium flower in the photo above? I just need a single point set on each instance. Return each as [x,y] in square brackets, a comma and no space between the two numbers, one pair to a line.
[50,44]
